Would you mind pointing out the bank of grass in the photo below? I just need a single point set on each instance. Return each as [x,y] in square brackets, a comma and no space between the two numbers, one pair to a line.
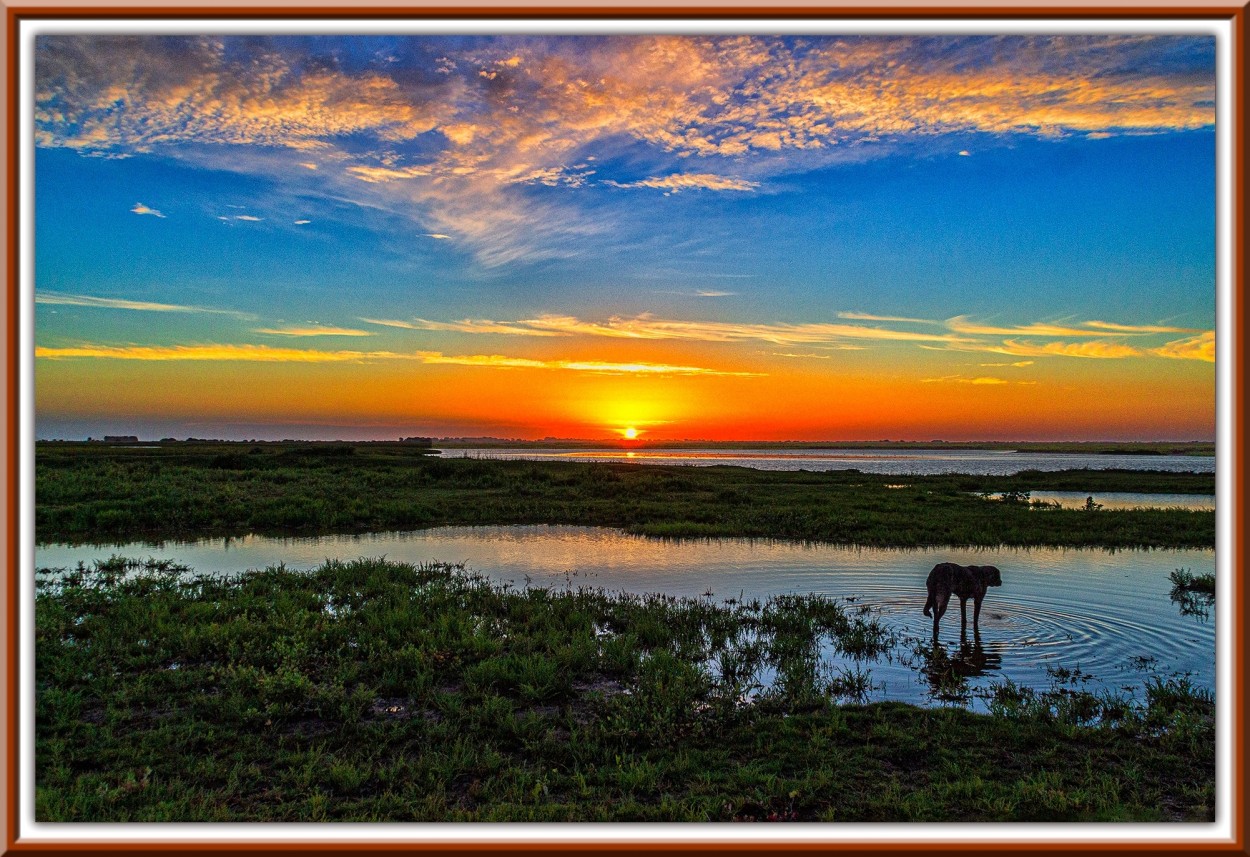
[95,492]
[375,691]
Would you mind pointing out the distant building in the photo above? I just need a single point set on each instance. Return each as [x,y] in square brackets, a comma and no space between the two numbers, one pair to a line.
[120,438]
[418,441]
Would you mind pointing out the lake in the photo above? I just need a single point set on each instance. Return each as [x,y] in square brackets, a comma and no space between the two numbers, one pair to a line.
[1095,619]
[987,462]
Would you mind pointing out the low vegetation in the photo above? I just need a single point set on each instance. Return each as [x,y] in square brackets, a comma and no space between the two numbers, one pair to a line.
[94,492]
[1187,581]
[375,691]
[1193,593]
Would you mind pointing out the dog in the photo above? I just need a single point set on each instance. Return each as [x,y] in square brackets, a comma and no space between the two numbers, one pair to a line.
[964,581]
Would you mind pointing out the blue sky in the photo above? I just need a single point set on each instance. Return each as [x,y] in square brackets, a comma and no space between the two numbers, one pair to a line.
[795,214]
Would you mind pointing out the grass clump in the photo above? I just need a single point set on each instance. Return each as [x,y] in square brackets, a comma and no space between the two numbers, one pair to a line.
[1193,594]
[1187,581]
[377,691]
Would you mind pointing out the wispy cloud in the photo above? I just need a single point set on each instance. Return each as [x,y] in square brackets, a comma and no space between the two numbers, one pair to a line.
[226,352]
[312,330]
[598,367]
[1200,347]
[1097,349]
[46,297]
[377,175]
[697,293]
[267,354]
[649,327]
[959,379]
[468,325]
[1111,327]
[965,336]
[140,208]
[865,316]
[961,324]
[690,181]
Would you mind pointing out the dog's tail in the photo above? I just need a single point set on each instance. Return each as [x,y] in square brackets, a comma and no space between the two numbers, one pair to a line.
[929,605]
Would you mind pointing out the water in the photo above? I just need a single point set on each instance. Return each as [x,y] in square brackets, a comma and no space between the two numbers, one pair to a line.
[987,462]
[1128,500]
[1105,613]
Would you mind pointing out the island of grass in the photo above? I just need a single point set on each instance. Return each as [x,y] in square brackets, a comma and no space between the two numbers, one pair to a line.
[96,492]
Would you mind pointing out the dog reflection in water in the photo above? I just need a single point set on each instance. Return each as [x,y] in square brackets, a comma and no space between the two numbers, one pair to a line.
[948,673]
[964,582]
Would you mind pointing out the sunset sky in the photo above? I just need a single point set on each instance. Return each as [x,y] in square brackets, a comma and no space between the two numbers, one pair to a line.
[722,237]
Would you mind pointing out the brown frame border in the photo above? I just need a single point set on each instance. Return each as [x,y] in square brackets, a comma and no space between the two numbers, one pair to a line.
[1234,11]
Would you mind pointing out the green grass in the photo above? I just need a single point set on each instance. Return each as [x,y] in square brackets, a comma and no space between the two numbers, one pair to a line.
[1193,593]
[375,691]
[1187,581]
[93,492]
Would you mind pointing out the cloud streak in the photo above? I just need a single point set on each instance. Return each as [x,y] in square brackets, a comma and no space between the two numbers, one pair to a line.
[647,327]
[598,367]
[62,299]
[213,353]
[313,330]
[267,354]
[965,336]
[690,181]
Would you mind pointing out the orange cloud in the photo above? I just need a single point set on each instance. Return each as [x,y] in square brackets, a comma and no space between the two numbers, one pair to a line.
[1200,347]
[688,181]
[960,324]
[596,366]
[1097,349]
[959,379]
[648,327]
[247,353]
[468,325]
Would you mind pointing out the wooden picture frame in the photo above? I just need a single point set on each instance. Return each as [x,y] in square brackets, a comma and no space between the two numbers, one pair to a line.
[22,837]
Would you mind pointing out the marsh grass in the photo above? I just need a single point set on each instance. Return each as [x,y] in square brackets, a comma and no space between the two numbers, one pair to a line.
[186,490]
[1186,581]
[1193,594]
[376,691]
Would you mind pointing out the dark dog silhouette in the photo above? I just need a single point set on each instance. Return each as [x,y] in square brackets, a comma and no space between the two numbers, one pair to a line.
[963,581]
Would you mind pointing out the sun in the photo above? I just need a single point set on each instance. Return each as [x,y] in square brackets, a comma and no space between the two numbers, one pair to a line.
[630,433]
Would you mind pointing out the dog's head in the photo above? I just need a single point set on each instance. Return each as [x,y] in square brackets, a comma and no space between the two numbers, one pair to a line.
[990,575]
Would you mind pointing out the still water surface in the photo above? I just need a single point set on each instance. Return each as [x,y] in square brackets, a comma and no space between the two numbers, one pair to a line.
[904,461]
[1107,613]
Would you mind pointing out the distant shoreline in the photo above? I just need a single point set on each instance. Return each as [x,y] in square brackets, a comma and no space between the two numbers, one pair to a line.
[1193,448]
[1205,448]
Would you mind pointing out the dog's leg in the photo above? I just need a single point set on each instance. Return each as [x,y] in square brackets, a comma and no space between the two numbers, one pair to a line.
[976,614]
[963,619]
[939,608]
